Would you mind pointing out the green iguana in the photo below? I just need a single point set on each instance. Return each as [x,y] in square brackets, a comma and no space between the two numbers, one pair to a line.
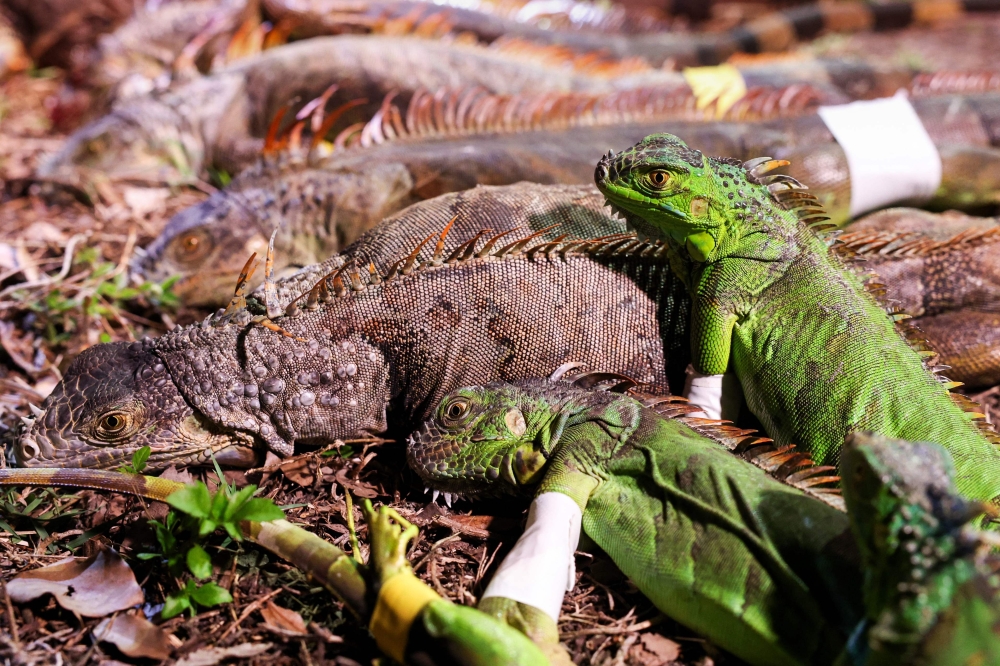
[931,586]
[753,563]
[380,348]
[815,353]
[454,140]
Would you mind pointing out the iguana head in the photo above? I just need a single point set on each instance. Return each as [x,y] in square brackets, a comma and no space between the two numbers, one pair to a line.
[665,189]
[205,246]
[114,399]
[490,440]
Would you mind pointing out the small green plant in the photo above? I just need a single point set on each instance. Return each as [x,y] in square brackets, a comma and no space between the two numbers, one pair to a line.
[196,514]
[138,463]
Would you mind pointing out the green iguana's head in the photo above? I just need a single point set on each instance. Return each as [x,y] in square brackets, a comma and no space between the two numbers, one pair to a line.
[665,189]
[493,439]
[114,399]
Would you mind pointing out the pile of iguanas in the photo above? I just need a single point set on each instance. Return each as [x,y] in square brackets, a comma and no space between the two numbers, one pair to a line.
[533,338]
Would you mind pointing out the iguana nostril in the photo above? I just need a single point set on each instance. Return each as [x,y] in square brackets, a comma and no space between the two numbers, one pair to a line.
[29,449]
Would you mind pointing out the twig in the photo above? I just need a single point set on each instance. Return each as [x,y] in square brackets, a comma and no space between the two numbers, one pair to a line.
[246,612]
[47,280]
[613,631]
[11,622]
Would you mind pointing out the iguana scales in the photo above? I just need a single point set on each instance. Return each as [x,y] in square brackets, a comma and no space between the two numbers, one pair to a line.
[431,317]
[455,139]
[817,356]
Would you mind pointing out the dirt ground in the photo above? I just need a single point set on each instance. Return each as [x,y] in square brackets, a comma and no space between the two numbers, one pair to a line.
[64,287]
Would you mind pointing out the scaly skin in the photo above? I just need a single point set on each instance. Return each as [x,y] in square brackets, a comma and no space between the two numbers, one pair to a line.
[775,32]
[387,351]
[441,632]
[322,204]
[931,590]
[817,356]
[945,270]
[754,565]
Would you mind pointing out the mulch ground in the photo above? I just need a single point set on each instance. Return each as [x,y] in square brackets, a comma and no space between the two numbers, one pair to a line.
[64,287]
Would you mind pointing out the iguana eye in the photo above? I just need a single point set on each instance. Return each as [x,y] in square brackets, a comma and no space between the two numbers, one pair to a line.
[658,178]
[114,425]
[192,246]
[456,409]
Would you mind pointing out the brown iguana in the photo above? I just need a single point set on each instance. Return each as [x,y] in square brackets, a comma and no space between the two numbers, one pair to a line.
[322,204]
[368,346]
[774,32]
[173,135]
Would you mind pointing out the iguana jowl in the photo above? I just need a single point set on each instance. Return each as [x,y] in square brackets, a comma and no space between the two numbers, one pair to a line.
[816,355]
[372,343]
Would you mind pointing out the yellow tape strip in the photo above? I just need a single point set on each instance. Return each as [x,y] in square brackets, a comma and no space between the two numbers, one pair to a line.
[400,601]
[722,85]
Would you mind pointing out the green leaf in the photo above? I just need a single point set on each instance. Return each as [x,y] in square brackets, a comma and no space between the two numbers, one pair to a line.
[199,562]
[211,594]
[139,459]
[192,499]
[259,509]
[207,527]
[238,499]
[149,556]
[175,604]
[219,503]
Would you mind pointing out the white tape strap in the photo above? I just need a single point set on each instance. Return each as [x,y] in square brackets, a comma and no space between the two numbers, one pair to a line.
[541,568]
[719,396]
[889,153]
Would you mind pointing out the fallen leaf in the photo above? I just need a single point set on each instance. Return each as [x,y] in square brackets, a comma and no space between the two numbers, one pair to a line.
[654,650]
[145,200]
[212,656]
[357,488]
[299,470]
[283,621]
[180,476]
[478,526]
[135,636]
[95,586]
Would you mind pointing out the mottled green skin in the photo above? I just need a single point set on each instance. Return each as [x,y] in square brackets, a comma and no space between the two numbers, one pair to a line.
[930,582]
[817,356]
[757,567]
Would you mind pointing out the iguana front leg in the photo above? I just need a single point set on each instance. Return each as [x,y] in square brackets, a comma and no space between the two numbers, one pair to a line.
[411,623]
[527,590]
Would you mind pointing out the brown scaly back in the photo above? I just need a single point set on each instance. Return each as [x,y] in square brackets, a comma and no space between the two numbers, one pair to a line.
[350,279]
[450,113]
[914,244]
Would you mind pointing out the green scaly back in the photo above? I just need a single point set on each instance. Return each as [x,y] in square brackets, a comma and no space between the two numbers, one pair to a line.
[757,566]
[931,587]
[817,355]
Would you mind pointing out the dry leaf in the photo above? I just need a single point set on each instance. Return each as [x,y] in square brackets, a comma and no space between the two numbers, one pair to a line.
[357,488]
[283,621]
[212,656]
[94,587]
[135,636]
[299,470]
[654,650]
